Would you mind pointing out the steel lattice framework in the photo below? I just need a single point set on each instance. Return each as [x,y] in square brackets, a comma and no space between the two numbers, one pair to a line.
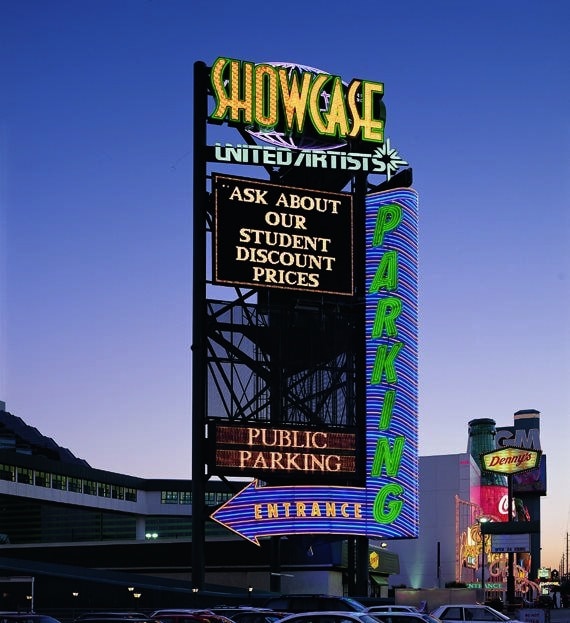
[256,362]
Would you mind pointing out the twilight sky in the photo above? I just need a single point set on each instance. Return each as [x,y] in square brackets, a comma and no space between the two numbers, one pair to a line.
[96,209]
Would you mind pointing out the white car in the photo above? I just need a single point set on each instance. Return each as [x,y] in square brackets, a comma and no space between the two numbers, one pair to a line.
[391,608]
[332,616]
[405,617]
[470,613]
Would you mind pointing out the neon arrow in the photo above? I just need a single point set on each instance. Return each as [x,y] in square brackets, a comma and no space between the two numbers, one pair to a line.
[258,511]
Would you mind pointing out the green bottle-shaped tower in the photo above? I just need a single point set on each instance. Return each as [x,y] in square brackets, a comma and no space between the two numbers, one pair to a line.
[492,492]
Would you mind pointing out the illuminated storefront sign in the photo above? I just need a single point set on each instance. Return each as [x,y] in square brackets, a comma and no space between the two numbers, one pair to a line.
[391,360]
[520,438]
[531,481]
[489,586]
[504,543]
[510,460]
[274,236]
[292,452]
[296,100]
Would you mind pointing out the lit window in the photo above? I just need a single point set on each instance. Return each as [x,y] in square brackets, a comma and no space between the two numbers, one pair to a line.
[90,487]
[42,479]
[75,485]
[169,497]
[104,490]
[59,482]
[25,475]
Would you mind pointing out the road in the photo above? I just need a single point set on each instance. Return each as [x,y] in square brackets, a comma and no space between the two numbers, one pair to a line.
[560,615]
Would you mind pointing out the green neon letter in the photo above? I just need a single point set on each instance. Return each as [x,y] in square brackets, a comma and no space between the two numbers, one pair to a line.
[387,310]
[384,457]
[386,275]
[387,218]
[387,512]
[387,409]
[384,363]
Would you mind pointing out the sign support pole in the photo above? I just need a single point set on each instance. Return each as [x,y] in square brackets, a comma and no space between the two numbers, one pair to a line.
[483,557]
[511,576]
[362,543]
[199,326]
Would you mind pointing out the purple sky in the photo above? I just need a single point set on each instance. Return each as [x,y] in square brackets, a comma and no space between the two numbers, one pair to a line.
[95,209]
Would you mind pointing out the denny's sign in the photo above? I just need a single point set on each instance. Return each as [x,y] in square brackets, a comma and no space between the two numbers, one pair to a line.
[510,460]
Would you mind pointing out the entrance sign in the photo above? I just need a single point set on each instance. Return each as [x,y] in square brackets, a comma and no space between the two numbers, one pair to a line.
[270,511]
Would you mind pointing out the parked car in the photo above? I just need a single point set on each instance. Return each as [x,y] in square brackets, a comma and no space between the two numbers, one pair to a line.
[242,613]
[313,603]
[331,617]
[26,617]
[391,608]
[110,615]
[189,616]
[259,615]
[405,617]
[472,613]
[115,619]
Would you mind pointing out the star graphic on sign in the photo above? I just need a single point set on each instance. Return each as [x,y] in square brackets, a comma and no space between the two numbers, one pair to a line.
[390,157]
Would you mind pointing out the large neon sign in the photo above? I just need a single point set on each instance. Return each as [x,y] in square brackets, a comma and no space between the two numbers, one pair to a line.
[299,237]
[510,460]
[391,360]
[387,507]
[266,451]
[269,95]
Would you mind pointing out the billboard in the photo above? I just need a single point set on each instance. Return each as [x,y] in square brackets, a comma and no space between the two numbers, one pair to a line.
[274,236]
[505,543]
[510,460]
[315,135]
[533,481]
[293,453]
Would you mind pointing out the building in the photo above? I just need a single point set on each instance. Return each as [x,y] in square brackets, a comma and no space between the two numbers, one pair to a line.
[87,535]
[126,531]
[454,494]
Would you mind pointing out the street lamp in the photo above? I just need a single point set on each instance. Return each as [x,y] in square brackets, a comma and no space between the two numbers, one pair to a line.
[75,595]
[482,522]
